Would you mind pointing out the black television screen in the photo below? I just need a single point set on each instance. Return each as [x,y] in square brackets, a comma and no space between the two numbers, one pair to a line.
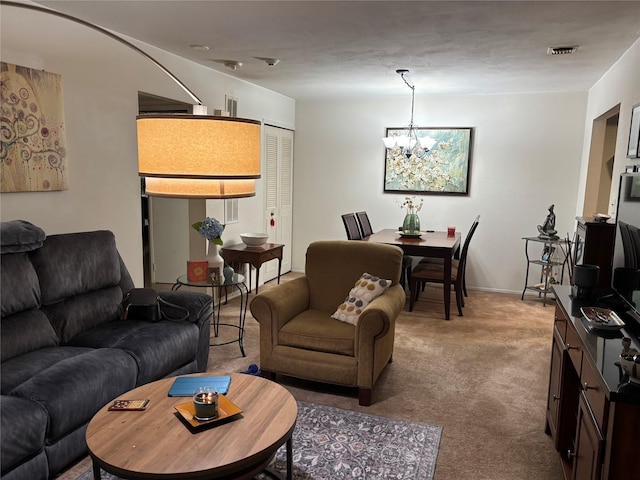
[626,256]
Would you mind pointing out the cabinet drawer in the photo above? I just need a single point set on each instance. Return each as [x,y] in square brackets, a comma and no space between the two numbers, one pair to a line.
[594,393]
[574,347]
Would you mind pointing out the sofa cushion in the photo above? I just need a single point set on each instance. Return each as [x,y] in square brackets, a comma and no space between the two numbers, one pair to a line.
[367,288]
[21,368]
[15,342]
[79,277]
[20,236]
[82,312]
[76,263]
[159,348]
[19,287]
[316,330]
[23,424]
[74,389]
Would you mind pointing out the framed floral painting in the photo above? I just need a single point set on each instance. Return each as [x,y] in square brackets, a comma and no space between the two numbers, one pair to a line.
[438,163]
[634,133]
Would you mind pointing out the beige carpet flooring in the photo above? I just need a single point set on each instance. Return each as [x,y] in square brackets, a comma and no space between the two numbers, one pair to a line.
[483,377]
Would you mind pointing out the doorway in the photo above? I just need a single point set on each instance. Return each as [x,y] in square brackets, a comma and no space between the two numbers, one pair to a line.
[601,157]
[161,212]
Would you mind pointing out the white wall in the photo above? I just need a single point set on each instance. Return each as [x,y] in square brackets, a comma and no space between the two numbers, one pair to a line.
[620,85]
[101,79]
[526,156]
[529,150]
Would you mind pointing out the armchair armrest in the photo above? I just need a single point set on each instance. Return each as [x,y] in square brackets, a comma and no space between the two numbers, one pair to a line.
[199,305]
[374,336]
[375,320]
[282,303]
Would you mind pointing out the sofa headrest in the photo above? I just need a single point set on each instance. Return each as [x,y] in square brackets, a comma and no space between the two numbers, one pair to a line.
[20,236]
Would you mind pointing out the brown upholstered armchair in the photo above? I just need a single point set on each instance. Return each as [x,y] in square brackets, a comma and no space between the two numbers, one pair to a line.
[298,336]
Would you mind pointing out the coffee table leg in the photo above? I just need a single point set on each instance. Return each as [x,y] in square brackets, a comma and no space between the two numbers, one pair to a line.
[290,458]
[272,473]
[96,471]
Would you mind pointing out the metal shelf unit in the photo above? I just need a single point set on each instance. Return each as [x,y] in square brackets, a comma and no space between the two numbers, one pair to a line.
[546,265]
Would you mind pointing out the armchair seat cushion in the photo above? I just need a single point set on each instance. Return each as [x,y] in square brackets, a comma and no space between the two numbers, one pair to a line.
[316,330]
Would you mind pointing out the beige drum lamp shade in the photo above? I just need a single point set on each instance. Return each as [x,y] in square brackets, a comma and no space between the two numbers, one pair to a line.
[198,146]
[197,188]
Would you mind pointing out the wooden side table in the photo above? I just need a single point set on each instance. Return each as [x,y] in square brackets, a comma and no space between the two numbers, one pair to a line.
[254,256]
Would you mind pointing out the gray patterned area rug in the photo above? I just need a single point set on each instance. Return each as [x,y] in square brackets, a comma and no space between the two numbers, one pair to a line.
[331,443]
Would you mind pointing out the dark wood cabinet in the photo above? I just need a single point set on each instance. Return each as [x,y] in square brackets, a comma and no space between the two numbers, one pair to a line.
[588,448]
[593,245]
[593,411]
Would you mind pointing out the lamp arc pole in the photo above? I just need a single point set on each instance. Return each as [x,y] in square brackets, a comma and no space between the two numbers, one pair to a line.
[108,34]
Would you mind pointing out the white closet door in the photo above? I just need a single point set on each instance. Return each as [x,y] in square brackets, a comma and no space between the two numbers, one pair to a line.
[278,195]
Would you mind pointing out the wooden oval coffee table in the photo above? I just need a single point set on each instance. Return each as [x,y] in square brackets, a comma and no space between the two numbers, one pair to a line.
[155,444]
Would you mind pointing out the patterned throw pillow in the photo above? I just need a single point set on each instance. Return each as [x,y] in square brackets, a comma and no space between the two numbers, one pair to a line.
[367,288]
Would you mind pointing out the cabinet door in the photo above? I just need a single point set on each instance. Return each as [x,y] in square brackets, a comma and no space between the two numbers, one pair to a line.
[587,458]
[555,377]
[562,401]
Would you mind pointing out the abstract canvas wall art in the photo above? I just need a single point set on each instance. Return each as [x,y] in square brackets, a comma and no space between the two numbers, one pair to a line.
[33,154]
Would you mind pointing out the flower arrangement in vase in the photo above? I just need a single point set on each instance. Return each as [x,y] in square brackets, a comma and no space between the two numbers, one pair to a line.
[411,224]
[212,229]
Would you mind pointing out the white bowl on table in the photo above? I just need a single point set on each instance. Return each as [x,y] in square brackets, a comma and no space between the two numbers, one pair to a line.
[254,239]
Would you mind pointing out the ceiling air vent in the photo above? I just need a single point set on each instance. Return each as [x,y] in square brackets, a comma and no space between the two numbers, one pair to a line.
[562,50]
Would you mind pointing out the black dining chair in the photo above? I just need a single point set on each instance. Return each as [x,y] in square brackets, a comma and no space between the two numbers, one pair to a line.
[426,272]
[407,261]
[365,224]
[454,263]
[351,226]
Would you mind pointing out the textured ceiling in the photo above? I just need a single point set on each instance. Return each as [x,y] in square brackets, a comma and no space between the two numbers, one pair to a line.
[352,48]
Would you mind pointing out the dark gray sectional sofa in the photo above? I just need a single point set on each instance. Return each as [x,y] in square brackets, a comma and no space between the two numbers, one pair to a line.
[66,353]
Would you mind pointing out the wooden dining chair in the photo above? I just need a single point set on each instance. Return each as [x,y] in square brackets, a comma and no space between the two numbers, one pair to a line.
[407,261]
[351,226]
[454,263]
[426,272]
[365,224]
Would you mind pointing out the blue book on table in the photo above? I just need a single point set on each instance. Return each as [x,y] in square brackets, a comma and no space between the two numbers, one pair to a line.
[186,386]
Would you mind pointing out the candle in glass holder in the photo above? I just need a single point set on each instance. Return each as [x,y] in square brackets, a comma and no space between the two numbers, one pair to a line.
[205,402]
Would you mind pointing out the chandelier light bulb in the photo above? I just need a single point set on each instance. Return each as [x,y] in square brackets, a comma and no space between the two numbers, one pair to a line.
[427,143]
[389,142]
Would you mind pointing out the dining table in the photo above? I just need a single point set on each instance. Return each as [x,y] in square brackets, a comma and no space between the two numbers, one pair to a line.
[426,244]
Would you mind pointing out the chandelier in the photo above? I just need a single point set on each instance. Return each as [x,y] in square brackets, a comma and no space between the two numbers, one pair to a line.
[408,142]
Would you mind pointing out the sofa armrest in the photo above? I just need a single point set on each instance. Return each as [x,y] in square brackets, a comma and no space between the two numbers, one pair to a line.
[199,305]
[280,304]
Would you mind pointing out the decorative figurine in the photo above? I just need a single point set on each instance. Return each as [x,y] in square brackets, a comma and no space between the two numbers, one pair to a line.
[548,229]
[228,274]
